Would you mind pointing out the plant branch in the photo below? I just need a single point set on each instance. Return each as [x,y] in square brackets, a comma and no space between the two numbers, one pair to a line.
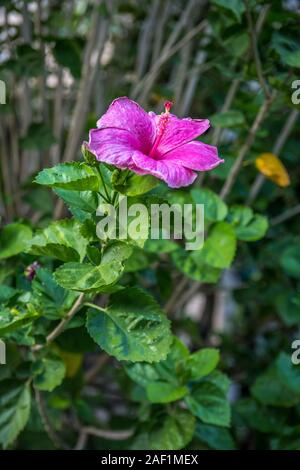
[226,106]
[181,286]
[96,368]
[216,135]
[247,145]
[143,87]
[278,146]
[61,326]
[53,436]
[120,435]
[288,214]
[256,56]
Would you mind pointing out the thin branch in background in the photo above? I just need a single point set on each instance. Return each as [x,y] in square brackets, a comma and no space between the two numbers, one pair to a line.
[98,365]
[15,153]
[99,93]
[226,106]
[23,92]
[93,51]
[120,435]
[186,296]
[288,214]
[264,109]
[151,77]
[253,37]
[262,18]
[142,89]
[199,68]
[145,39]
[278,146]
[233,89]
[180,288]
[63,323]
[159,30]
[57,118]
[81,441]
[182,69]
[52,434]
[6,180]
[43,104]
[94,48]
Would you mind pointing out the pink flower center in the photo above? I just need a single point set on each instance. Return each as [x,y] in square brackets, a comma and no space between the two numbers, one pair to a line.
[161,127]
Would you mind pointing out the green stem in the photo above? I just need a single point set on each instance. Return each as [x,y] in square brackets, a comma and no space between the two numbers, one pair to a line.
[104,185]
[88,304]
[115,197]
[104,197]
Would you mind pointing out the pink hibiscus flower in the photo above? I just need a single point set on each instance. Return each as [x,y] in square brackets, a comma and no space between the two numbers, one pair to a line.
[147,143]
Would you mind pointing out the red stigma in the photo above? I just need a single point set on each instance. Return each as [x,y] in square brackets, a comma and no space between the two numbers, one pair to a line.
[168,106]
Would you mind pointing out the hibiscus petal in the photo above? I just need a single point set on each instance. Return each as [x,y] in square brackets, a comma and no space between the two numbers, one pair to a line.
[195,156]
[127,114]
[114,146]
[179,131]
[173,174]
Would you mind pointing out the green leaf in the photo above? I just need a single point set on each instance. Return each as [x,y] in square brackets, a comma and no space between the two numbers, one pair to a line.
[13,319]
[62,240]
[133,184]
[255,230]
[290,261]
[192,264]
[237,45]
[270,388]
[288,307]
[163,392]
[214,208]
[169,371]
[143,373]
[15,403]
[231,118]
[48,298]
[215,437]
[202,362]
[14,238]
[240,215]
[174,432]
[132,328]
[219,379]
[74,176]
[288,441]
[288,372]
[160,246]
[49,373]
[6,293]
[247,226]
[86,277]
[137,261]
[284,45]
[82,204]
[293,59]
[236,6]
[262,418]
[220,246]
[209,403]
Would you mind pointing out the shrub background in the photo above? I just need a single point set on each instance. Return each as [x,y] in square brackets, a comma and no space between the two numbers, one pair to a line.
[231,61]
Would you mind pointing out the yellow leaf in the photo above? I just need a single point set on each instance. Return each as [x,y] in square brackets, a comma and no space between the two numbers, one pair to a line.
[72,362]
[272,168]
